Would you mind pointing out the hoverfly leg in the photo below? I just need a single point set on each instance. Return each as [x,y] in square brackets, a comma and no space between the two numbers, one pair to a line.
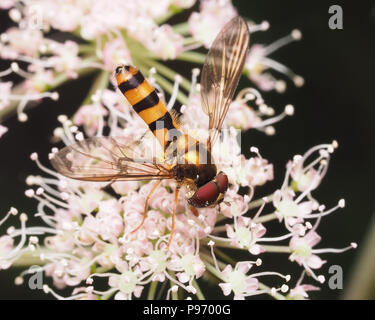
[109,184]
[173,215]
[146,206]
[194,210]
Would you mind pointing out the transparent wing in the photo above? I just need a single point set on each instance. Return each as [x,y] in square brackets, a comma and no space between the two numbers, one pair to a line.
[221,72]
[108,159]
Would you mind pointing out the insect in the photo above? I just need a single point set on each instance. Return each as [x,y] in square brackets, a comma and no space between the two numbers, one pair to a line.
[185,159]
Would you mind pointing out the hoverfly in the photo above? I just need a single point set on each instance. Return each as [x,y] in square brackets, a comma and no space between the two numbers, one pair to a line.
[111,159]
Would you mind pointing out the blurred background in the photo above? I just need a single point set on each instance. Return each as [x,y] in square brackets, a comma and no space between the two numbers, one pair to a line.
[336,102]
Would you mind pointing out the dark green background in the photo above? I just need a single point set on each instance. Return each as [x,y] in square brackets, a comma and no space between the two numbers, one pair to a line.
[337,102]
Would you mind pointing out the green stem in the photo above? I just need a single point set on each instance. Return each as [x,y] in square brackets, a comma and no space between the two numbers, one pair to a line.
[141,66]
[192,56]
[152,290]
[223,244]
[101,269]
[181,28]
[188,41]
[219,229]
[266,218]
[172,10]
[87,49]
[224,256]
[31,258]
[101,82]
[362,280]
[199,293]
[162,290]
[173,294]
[171,283]
[213,270]
[107,296]
[259,202]
[169,73]
[278,249]
[221,218]
[209,259]
[167,86]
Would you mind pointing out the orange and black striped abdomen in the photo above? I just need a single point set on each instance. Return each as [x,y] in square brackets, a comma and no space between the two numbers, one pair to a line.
[146,102]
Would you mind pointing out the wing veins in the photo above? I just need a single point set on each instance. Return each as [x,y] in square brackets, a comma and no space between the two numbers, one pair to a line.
[222,71]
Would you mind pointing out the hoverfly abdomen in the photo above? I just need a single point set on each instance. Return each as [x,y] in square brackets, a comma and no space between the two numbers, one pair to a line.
[146,102]
[211,193]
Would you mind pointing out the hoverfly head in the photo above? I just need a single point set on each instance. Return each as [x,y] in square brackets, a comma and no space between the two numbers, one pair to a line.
[211,193]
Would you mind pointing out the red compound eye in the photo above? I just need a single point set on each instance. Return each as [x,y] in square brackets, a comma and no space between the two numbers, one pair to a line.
[205,195]
[209,193]
[222,181]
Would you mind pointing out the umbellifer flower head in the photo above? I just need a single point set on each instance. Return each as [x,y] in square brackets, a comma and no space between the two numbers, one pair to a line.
[89,230]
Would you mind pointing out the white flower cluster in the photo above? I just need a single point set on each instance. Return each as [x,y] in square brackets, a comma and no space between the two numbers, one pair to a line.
[90,230]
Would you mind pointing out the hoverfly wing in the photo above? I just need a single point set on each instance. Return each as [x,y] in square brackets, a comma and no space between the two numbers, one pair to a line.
[108,159]
[221,72]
